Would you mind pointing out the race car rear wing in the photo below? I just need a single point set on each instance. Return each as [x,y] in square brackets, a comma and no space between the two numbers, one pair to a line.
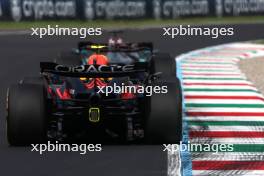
[92,71]
[126,47]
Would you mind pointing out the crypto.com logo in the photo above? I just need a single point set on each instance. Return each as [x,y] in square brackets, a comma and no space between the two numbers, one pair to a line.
[156,9]
[42,8]
[15,8]
[89,9]
[219,8]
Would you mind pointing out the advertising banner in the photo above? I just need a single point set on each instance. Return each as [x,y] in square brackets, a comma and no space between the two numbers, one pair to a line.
[240,7]
[115,9]
[42,9]
[21,10]
[180,8]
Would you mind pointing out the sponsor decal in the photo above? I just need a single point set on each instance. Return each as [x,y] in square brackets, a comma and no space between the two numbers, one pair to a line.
[126,9]
[218,8]
[95,69]
[175,9]
[114,9]
[41,9]
[156,9]
[15,8]
[89,13]
[238,7]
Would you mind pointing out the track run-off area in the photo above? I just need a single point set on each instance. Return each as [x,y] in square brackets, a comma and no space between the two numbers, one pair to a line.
[220,107]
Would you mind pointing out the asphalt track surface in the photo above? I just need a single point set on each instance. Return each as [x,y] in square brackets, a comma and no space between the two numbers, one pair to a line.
[20,56]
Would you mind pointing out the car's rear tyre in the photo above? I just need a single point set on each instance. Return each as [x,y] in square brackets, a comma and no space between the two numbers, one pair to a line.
[26,118]
[164,123]
[68,58]
[163,62]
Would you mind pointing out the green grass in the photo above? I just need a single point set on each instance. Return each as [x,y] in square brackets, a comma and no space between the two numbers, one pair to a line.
[132,23]
[261,41]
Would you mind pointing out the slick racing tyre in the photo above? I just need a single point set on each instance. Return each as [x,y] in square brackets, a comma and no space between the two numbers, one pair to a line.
[68,58]
[164,123]
[26,114]
[163,62]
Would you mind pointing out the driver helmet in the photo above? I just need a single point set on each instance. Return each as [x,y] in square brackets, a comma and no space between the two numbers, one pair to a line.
[97,59]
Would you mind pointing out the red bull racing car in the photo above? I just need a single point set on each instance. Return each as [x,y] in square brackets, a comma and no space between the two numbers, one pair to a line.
[99,93]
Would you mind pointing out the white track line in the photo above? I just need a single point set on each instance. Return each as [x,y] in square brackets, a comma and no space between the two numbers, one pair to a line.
[174,163]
